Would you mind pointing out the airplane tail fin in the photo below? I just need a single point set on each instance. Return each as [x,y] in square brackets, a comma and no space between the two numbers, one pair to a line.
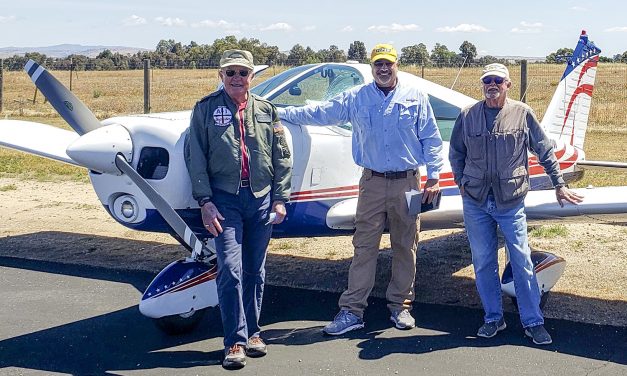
[567,115]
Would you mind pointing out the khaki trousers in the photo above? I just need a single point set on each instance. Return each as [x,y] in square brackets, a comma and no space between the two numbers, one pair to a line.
[383,201]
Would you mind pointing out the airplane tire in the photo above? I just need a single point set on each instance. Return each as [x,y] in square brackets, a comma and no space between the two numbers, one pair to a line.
[180,324]
[543,298]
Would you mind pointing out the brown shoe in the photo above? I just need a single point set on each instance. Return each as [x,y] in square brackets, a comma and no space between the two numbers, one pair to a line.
[256,347]
[234,357]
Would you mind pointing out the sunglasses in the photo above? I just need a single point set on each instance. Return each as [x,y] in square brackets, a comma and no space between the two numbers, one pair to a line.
[231,73]
[488,80]
[381,64]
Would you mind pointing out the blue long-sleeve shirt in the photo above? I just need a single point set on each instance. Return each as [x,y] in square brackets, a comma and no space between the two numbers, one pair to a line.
[396,132]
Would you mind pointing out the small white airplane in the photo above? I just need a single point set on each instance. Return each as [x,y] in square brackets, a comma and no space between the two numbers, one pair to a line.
[137,169]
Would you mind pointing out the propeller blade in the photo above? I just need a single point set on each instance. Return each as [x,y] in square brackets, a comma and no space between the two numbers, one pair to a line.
[71,109]
[170,215]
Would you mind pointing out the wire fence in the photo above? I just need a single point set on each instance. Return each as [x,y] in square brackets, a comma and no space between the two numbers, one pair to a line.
[177,87]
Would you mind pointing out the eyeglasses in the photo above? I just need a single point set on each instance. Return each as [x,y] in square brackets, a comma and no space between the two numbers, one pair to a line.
[381,64]
[231,73]
[489,79]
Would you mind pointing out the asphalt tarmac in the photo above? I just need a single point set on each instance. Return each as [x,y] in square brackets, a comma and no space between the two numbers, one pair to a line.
[81,320]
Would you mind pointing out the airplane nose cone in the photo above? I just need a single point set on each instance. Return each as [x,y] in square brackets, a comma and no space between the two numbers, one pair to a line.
[97,149]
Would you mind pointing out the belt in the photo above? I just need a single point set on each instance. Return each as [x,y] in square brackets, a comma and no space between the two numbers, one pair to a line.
[393,174]
[244,183]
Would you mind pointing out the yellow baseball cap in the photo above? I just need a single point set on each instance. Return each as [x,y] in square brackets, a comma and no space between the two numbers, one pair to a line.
[383,51]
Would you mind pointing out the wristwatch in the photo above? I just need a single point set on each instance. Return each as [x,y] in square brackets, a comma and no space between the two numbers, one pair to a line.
[558,186]
[203,201]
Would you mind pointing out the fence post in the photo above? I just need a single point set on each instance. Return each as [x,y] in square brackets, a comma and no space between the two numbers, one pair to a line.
[146,86]
[1,84]
[71,71]
[523,81]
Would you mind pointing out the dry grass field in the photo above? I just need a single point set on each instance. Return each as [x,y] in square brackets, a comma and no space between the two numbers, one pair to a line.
[112,93]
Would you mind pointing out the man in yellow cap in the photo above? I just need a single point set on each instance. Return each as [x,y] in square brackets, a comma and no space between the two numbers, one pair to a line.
[394,132]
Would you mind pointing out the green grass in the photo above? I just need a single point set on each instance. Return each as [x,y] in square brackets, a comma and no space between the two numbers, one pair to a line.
[8,187]
[548,232]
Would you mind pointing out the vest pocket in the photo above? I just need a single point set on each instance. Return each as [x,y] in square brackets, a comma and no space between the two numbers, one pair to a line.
[513,184]
[474,183]
[477,147]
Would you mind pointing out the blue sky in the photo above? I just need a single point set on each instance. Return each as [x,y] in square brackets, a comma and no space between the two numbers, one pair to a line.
[503,28]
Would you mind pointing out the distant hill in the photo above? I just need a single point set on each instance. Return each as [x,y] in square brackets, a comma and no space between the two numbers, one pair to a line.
[63,50]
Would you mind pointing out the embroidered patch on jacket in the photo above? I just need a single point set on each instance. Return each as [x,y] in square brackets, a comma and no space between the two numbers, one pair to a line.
[263,118]
[222,116]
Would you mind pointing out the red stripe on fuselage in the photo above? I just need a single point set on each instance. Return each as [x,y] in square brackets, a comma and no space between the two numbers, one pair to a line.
[206,276]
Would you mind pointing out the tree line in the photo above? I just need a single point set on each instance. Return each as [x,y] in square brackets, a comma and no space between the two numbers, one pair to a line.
[172,54]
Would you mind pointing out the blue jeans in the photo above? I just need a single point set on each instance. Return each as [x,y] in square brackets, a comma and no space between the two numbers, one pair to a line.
[481,222]
[241,254]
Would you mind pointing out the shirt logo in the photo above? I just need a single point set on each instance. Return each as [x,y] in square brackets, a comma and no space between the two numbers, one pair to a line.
[222,116]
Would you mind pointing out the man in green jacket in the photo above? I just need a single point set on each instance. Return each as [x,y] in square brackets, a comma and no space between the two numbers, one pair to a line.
[240,168]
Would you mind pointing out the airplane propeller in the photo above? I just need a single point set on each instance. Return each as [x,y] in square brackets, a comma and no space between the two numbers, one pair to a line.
[71,109]
[108,150]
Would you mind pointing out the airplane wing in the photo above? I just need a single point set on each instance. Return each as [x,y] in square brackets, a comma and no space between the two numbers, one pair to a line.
[539,205]
[601,164]
[36,138]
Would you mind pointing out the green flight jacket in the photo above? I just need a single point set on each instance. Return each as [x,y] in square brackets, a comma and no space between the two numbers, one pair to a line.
[213,151]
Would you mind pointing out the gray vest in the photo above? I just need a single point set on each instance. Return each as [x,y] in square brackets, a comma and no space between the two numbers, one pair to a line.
[496,159]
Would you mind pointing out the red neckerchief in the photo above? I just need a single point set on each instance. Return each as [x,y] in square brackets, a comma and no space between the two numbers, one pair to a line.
[242,132]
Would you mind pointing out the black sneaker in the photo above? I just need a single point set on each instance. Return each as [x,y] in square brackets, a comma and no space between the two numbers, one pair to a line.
[234,357]
[490,329]
[539,335]
[255,347]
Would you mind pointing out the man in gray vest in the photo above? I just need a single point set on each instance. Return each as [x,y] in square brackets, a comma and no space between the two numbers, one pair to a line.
[488,155]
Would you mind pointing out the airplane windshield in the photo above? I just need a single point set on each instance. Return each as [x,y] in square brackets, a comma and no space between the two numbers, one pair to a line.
[316,85]
[273,82]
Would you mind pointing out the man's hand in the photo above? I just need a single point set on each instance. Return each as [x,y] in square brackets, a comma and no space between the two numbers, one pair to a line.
[278,207]
[432,188]
[563,193]
[211,218]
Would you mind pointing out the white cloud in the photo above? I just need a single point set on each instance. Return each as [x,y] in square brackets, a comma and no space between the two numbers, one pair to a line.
[577,8]
[134,20]
[229,27]
[616,29]
[309,28]
[278,26]
[347,29]
[7,19]
[528,28]
[462,28]
[169,21]
[394,28]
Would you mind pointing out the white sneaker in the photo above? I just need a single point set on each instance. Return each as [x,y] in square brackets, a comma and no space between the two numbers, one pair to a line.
[402,319]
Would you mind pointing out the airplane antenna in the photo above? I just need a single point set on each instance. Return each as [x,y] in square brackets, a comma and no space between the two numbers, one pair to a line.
[524,94]
[459,71]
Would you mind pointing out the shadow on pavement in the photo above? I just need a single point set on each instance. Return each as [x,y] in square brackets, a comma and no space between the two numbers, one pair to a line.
[125,340]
